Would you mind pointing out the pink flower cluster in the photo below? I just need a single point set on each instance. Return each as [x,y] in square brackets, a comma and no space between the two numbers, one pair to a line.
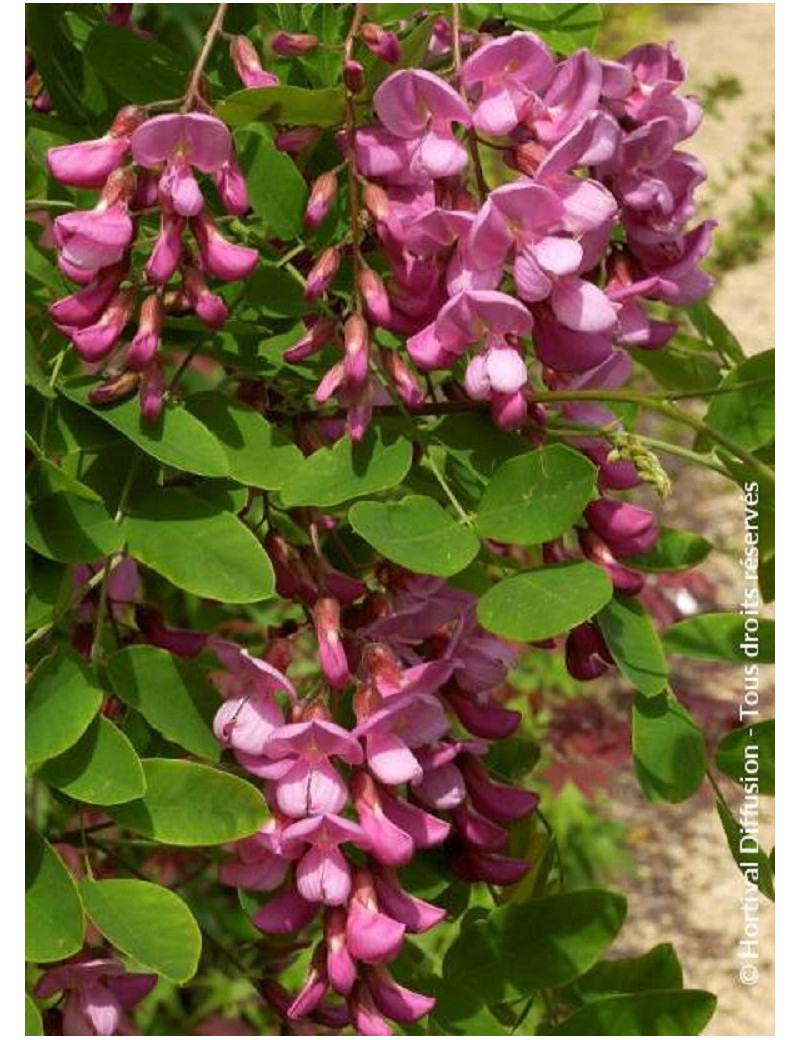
[587,223]
[144,166]
[401,780]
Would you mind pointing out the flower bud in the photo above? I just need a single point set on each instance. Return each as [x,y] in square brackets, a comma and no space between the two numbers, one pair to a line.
[354,76]
[318,335]
[223,259]
[332,658]
[323,193]
[376,202]
[322,274]
[381,42]
[94,342]
[144,345]
[248,64]
[151,393]
[113,390]
[166,255]
[127,120]
[293,45]
[297,139]
[356,352]
[626,529]
[208,307]
[375,297]
[403,379]
[585,653]
[232,187]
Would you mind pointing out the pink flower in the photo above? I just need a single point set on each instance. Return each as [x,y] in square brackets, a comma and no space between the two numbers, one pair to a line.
[88,164]
[332,658]
[85,306]
[209,308]
[418,106]
[626,529]
[572,94]
[223,259]
[98,992]
[322,874]
[144,345]
[372,936]
[381,42]
[94,342]
[392,732]
[182,140]
[166,254]
[92,239]
[506,73]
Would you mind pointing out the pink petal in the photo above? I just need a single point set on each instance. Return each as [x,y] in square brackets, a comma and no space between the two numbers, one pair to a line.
[311,789]
[582,306]
[371,935]
[323,876]
[286,914]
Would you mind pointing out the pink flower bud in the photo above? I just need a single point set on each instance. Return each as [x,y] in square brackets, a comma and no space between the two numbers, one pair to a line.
[208,307]
[330,383]
[144,345]
[223,259]
[377,202]
[85,306]
[381,42]
[586,654]
[623,578]
[87,164]
[232,187]
[403,379]
[297,139]
[375,297]
[340,965]
[319,334]
[151,393]
[293,45]
[166,255]
[113,390]
[626,529]
[354,76]
[356,352]
[127,120]
[248,65]
[332,658]
[323,192]
[95,341]
[322,274]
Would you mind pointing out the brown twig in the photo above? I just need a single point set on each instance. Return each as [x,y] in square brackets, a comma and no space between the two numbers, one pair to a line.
[193,89]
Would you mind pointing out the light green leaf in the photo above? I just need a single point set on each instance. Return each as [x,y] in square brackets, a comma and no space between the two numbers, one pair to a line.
[661,1013]
[177,439]
[283,104]
[657,969]
[61,699]
[33,1018]
[101,769]
[147,922]
[199,547]
[749,857]
[546,602]
[173,695]
[669,750]
[747,415]
[259,455]
[634,643]
[534,498]
[565,27]
[347,470]
[70,529]
[748,754]
[190,804]
[53,911]
[674,551]
[276,188]
[416,533]
[721,637]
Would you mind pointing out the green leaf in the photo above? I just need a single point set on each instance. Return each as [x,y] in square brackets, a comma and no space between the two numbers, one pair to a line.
[58,61]
[749,857]
[347,470]
[46,584]
[679,369]
[191,804]
[282,104]
[34,376]
[276,293]
[658,969]
[277,190]
[747,415]
[259,455]
[137,69]
[147,922]
[721,637]
[46,478]
[669,750]
[33,1018]
[199,548]
[715,332]
[71,529]
[674,551]
[61,699]
[748,754]
[494,958]
[416,533]
[546,602]
[177,439]
[53,911]
[634,644]
[534,498]
[101,769]
[565,27]
[173,695]
[657,1013]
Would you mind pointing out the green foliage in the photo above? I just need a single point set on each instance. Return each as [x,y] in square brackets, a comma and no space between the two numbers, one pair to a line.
[674,551]
[53,910]
[655,1013]
[634,644]
[721,637]
[668,749]
[747,415]
[61,699]
[101,769]
[748,754]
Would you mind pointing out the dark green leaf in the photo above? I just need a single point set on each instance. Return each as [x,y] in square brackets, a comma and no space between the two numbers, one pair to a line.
[634,644]
[283,104]
[715,332]
[259,455]
[679,369]
[347,470]
[722,637]
[543,603]
[61,699]
[69,529]
[137,69]
[276,293]
[416,533]
[276,187]
[146,922]
[669,750]
[534,498]
[46,584]
[748,754]
[748,855]
[58,61]
[173,695]
[101,769]
[190,804]
[199,547]
[53,911]
[177,439]
[659,968]
[672,1013]
[674,551]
